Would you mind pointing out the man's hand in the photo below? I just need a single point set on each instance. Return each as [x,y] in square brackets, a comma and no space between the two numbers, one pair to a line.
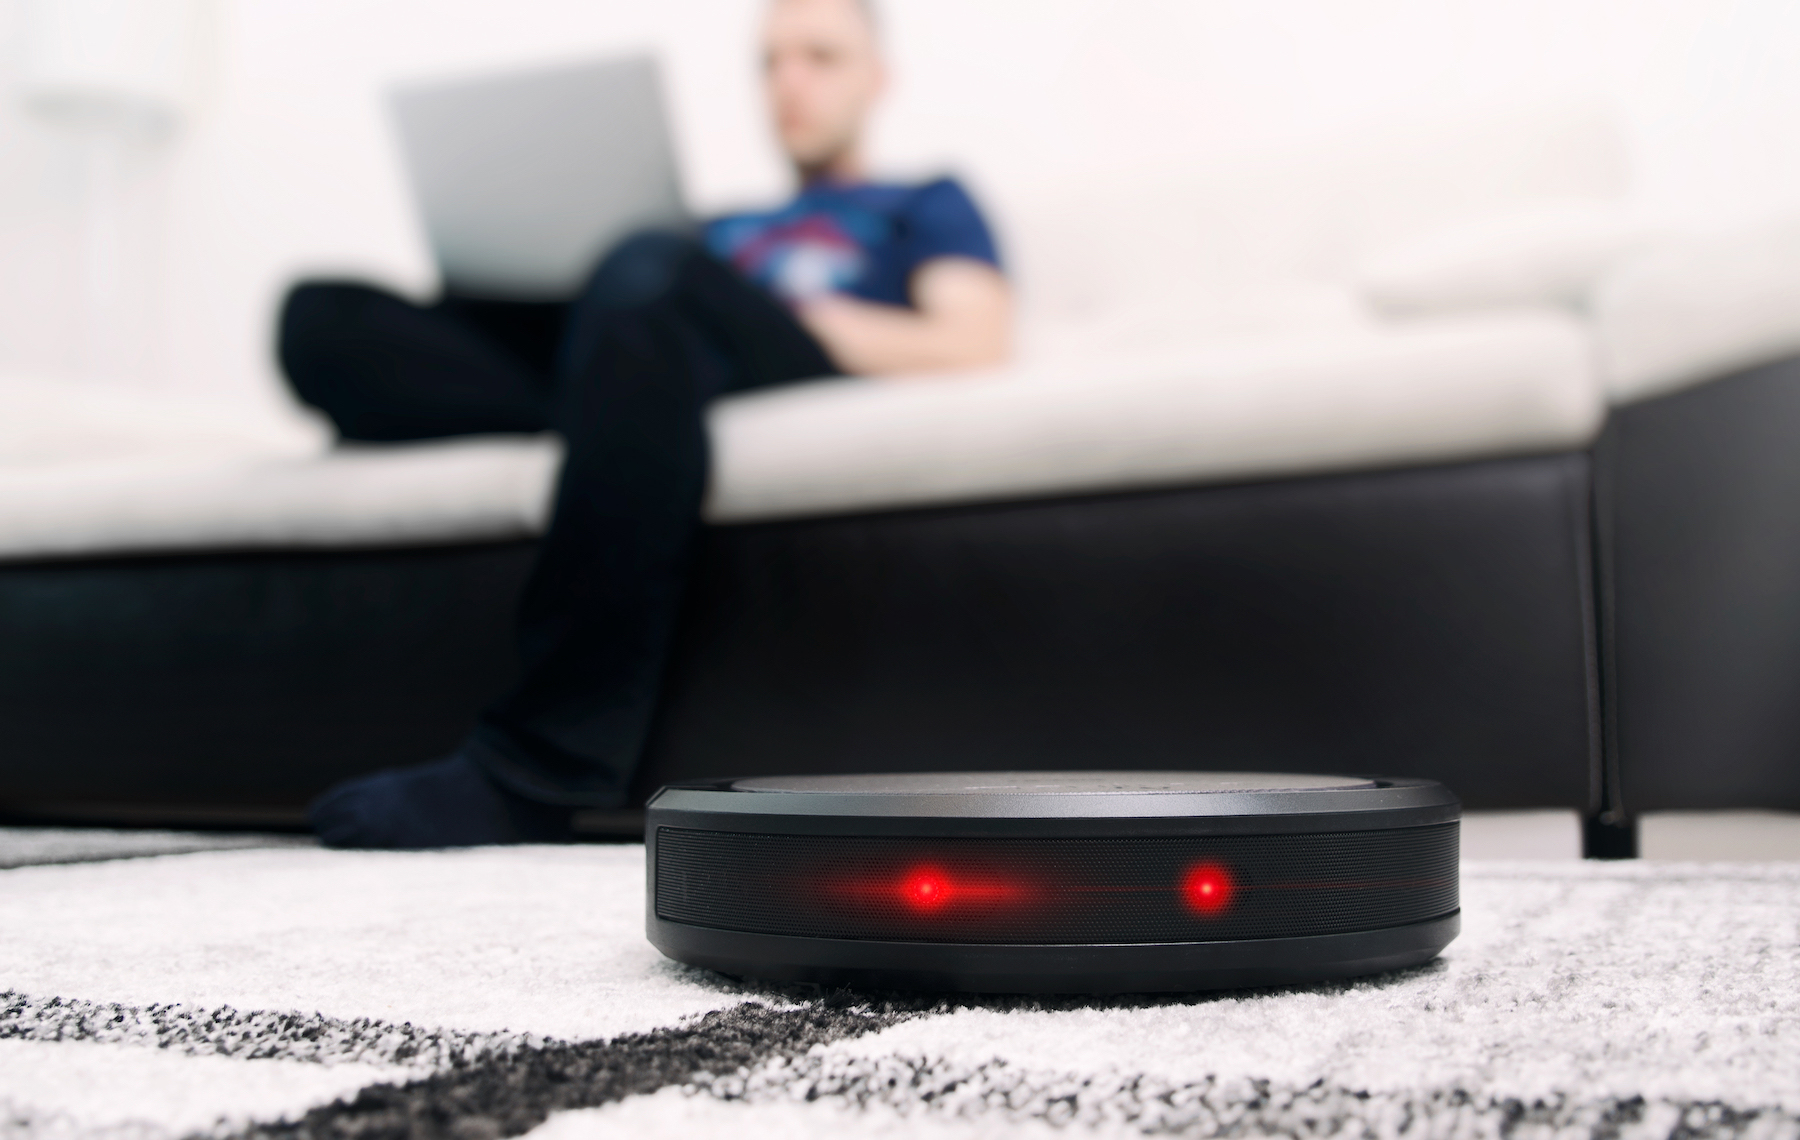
[961,318]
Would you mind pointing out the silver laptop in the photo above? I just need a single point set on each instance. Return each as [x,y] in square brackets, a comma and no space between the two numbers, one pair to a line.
[525,179]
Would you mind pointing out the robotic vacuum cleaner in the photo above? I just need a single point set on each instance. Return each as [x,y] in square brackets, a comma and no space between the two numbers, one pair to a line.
[1041,882]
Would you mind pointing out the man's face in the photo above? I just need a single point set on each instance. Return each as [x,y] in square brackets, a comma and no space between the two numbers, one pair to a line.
[823,72]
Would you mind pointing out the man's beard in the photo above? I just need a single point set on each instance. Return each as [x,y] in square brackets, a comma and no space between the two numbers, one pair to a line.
[822,160]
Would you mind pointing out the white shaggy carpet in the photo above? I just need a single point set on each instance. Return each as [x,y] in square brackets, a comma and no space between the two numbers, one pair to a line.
[309,993]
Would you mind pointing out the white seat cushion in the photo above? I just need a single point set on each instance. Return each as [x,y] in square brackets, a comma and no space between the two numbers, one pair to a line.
[446,491]
[1544,255]
[1441,391]
[1694,310]
[77,421]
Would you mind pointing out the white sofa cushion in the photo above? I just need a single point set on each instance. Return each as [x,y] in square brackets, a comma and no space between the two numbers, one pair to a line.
[443,491]
[1547,255]
[72,421]
[1447,391]
[1697,309]
[1086,244]
[1176,321]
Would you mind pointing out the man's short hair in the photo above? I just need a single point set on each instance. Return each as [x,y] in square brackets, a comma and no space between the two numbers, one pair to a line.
[869,11]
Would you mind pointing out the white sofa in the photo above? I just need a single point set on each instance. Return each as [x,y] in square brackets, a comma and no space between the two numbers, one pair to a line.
[1181,326]
[1429,308]
[1524,382]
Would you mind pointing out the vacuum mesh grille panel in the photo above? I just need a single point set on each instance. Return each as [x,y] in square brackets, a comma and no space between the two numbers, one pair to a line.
[1047,891]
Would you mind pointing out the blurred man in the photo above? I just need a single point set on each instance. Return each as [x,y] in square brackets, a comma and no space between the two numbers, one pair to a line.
[851,276]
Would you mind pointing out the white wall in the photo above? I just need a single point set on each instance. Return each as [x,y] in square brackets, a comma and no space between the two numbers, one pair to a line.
[286,167]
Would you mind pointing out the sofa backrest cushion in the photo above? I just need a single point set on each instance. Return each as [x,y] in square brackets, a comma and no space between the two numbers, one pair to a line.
[1212,232]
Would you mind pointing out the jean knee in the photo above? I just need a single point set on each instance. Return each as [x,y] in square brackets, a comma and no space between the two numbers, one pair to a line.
[638,271]
[321,308]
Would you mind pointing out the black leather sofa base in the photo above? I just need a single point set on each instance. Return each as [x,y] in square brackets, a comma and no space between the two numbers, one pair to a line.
[1426,622]
[234,687]
[1704,487]
[1431,622]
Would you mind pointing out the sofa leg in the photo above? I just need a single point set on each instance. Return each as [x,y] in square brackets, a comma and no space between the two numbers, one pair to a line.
[1609,835]
[1608,831]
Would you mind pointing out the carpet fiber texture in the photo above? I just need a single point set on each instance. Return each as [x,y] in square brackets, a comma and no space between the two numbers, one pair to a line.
[299,992]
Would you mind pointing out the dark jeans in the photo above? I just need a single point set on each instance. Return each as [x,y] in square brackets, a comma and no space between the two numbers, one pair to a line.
[624,372]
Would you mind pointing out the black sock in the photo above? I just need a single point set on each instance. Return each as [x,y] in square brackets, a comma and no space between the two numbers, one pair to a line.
[448,803]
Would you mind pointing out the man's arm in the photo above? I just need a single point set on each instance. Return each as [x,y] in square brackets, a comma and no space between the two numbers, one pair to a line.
[961,318]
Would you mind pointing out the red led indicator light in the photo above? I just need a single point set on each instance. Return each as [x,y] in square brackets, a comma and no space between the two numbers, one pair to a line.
[925,890]
[1206,888]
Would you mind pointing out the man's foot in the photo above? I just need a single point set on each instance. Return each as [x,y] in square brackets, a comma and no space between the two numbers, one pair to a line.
[449,803]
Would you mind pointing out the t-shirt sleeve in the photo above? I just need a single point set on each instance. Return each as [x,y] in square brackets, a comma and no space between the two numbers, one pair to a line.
[945,222]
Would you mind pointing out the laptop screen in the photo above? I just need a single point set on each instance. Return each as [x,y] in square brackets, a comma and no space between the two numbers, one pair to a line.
[525,179]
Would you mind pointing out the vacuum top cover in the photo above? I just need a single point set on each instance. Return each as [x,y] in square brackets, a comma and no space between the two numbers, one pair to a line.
[1047,783]
[1299,800]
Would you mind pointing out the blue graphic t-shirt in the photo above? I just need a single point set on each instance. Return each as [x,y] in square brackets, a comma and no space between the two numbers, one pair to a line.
[864,239]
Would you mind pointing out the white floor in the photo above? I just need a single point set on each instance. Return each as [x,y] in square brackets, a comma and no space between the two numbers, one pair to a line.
[1521,835]
[1739,836]
[1684,836]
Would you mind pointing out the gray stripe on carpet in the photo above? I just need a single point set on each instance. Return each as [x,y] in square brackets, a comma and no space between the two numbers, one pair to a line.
[508,1096]
[997,1093]
[253,1035]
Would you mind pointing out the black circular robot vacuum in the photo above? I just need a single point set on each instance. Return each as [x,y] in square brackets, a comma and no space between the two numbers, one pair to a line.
[1042,882]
